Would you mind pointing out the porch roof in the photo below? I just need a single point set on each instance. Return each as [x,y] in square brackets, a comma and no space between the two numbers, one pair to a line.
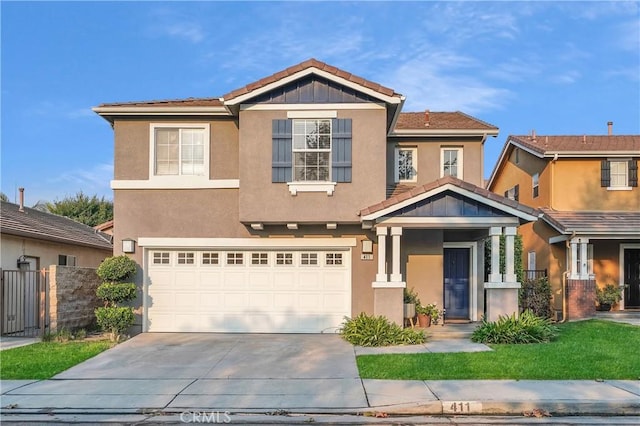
[489,204]
[601,223]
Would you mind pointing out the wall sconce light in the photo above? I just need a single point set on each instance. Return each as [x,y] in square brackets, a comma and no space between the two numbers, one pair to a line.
[367,246]
[128,245]
[23,263]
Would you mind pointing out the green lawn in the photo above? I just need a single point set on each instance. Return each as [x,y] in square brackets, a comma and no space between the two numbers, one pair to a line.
[586,350]
[46,359]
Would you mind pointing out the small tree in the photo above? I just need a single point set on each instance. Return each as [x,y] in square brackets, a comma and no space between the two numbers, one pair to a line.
[114,271]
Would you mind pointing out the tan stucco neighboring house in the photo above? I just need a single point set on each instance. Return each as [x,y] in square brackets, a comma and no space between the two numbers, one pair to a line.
[105,228]
[302,198]
[33,239]
[587,188]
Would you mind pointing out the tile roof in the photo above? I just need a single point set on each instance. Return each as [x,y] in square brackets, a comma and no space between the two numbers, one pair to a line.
[594,222]
[417,190]
[581,143]
[40,225]
[310,63]
[440,120]
[196,102]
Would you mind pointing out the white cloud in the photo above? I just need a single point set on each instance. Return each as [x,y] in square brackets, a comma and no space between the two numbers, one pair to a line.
[60,109]
[172,24]
[568,77]
[93,180]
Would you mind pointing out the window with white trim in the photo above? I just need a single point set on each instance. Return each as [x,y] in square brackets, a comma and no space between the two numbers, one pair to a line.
[284,259]
[179,150]
[619,174]
[185,258]
[235,258]
[333,259]
[259,258]
[210,258]
[451,162]
[309,258]
[535,182]
[66,260]
[161,258]
[312,150]
[406,164]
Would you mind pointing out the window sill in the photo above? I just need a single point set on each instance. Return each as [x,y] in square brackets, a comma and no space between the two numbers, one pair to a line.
[295,187]
[619,188]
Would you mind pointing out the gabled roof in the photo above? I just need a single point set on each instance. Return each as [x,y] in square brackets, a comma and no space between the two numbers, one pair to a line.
[305,65]
[167,103]
[46,226]
[624,223]
[440,120]
[464,188]
[576,146]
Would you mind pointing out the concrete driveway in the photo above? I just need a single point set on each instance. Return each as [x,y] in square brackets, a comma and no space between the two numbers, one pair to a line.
[208,371]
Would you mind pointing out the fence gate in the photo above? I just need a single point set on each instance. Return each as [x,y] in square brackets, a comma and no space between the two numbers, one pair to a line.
[22,302]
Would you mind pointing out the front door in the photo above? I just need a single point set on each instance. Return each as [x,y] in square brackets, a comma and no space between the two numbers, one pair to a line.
[632,278]
[456,283]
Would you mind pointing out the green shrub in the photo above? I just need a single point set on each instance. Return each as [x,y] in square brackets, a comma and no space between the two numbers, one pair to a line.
[535,295]
[114,293]
[367,330]
[527,328]
[410,296]
[116,268]
[115,320]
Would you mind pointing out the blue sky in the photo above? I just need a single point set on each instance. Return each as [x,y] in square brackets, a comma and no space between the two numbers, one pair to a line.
[556,67]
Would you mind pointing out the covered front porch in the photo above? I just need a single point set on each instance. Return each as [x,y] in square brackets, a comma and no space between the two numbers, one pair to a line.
[432,239]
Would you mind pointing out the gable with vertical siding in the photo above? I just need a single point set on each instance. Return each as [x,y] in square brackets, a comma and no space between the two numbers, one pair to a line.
[449,204]
[313,90]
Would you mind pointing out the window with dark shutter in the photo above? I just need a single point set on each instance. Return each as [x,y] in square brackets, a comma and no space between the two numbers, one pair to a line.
[281,155]
[341,150]
[605,173]
[516,192]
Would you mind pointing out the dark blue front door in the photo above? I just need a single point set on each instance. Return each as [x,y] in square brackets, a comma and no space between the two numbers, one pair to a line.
[456,283]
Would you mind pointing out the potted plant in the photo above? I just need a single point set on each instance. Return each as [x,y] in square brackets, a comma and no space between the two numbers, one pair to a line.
[426,314]
[410,302]
[607,296]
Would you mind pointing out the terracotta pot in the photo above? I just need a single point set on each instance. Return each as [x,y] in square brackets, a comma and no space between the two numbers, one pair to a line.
[424,320]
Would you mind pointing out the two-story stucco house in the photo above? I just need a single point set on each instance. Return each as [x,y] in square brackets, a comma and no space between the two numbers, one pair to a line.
[587,188]
[302,198]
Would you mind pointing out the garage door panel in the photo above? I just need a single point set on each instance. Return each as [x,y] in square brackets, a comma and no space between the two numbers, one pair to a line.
[269,298]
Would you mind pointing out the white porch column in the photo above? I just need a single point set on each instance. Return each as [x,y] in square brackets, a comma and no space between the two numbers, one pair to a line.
[396,232]
[495,276]
[574,271]
[509,255]
[584,270]
[381,276]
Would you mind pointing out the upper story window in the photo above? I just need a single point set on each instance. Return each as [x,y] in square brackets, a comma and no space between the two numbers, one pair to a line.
[311,150]
[451,162]
[619,174]
[406,164]
[535,182]
[513,193]
[179,150]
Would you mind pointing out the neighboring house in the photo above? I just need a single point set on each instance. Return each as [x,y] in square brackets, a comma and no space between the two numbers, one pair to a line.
[587,188]
[302,198]
[105,228]
[33,239]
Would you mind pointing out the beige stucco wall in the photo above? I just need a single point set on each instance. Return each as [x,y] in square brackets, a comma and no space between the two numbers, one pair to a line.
[133,139]
[422,256]
[429,158]
[577,187]
[264,201]
[46,252]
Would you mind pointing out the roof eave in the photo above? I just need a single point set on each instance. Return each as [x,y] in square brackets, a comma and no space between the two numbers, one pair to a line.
[38,236]
[444,132]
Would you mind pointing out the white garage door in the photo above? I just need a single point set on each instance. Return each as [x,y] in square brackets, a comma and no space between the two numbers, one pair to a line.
[266,291]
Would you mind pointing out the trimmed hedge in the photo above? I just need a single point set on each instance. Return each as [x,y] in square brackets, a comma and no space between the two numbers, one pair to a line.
[116,268]
[535,295]
[114,293]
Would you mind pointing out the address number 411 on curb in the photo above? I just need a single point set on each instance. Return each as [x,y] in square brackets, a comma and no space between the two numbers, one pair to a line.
[461,407]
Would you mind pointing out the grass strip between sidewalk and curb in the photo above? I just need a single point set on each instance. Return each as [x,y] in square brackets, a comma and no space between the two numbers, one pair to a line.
[585,350]
[46,359]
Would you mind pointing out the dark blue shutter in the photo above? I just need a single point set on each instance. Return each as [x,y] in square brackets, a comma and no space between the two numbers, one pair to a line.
[341,149]
[516,192]
[633,172]
[281,154]
[605,173]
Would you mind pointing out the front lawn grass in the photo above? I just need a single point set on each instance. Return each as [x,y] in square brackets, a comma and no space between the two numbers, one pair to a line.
[585,350]
[46,359]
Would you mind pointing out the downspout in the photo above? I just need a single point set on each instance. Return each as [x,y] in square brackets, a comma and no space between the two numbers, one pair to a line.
[565,275]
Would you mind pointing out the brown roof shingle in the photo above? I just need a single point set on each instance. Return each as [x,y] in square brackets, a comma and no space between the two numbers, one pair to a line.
[40,225]
[415,191]
[167,103]
[584,143]
[594,222]
[309,63]
[440,120]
